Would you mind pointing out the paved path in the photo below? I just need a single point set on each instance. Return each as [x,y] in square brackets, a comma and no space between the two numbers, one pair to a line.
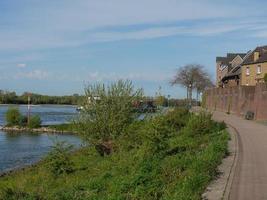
[250,175]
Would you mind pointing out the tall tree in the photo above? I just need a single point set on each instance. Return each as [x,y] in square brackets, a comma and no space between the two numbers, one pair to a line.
[191,76]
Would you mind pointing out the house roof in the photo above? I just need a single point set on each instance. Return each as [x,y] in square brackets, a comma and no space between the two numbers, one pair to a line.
[229,57]
[262,56]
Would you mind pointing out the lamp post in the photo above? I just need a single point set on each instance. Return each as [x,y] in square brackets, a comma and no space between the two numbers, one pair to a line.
[29,108]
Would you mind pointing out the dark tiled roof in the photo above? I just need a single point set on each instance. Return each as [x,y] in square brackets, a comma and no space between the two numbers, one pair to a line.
[263,56]
[229,57]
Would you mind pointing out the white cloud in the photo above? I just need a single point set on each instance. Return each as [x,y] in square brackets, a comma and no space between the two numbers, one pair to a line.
[166,31]
[50,24]
[21,65]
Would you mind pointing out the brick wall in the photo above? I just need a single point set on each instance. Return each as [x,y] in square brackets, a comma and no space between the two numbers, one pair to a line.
[238,100]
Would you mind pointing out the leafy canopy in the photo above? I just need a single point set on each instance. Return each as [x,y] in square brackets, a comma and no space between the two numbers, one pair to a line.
[108,110]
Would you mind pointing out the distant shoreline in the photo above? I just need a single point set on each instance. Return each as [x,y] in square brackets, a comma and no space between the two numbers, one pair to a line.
[62,105]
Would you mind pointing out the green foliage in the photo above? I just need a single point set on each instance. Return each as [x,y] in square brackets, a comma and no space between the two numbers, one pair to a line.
[172,156]
[109,111]
[63,127]
[58,160]
[265,78]
[13,116]
[35,122]
[9,193]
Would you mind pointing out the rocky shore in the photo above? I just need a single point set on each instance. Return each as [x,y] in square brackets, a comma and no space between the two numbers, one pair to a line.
[25,129]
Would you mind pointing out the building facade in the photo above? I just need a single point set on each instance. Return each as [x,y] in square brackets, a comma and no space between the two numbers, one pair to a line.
[224,65]
[254,67]
[242,69]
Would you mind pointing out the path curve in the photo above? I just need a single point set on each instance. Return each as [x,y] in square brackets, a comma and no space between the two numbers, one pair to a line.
[250,175]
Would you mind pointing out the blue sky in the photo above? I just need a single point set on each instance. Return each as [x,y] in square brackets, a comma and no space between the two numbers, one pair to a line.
[57,47]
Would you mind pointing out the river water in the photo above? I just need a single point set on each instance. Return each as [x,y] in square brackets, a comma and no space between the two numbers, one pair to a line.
[50,114]
[20,149]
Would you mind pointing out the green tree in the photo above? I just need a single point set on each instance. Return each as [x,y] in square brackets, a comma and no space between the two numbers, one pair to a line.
[108,111]
[13,116]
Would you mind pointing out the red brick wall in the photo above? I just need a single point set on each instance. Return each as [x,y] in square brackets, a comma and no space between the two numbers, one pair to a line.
[238,100]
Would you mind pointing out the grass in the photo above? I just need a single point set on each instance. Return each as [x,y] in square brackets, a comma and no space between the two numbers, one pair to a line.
[63,127]
[170,157]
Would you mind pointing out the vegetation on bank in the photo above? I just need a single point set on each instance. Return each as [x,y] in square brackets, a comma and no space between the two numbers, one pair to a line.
[66,127]
[169,157]
[15,118]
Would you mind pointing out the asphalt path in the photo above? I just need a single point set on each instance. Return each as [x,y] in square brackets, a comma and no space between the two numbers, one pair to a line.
[250,175]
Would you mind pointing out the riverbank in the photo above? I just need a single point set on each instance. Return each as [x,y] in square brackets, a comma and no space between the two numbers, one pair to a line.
[174,156]
[60,129]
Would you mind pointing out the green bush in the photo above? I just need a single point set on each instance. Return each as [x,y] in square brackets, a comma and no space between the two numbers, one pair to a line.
[13,117]
[23,121]
[177,118]
[58,160]
[108,112]
[199,124]
[35,122]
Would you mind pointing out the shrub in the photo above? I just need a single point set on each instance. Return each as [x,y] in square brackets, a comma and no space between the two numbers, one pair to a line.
[35,122]
[13,116]
[108,111]
[199,124]
[58,160]
[23,120]
[177,118]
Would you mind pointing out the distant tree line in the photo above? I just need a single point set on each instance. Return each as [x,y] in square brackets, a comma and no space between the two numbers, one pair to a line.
[7,97]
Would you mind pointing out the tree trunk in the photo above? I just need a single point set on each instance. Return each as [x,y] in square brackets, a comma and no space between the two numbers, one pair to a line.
[104,148]
[190,97]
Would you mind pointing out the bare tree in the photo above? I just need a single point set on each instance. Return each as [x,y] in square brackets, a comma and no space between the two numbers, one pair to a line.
[203,82]
[191,76]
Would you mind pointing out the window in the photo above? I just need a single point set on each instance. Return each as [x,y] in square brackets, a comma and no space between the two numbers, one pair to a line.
[247,71]
[258,69]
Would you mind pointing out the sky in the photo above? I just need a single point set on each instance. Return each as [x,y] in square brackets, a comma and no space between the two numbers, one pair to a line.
[58,47]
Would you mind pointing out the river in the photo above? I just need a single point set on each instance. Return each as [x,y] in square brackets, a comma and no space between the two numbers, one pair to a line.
[50,114]
[21,149]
